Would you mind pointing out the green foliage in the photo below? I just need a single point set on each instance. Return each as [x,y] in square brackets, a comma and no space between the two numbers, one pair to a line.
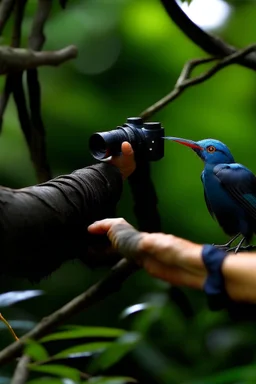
[84,332]
[58,370]
[83,349]
[116,351]
[111,380]
[35,350]
[106,354]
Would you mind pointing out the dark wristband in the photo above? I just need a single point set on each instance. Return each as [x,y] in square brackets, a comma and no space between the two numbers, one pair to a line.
[214,286]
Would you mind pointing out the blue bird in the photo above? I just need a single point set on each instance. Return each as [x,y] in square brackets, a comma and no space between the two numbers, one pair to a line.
[229,189]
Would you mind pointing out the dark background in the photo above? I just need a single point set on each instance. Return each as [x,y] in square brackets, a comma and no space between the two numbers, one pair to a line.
[130,55]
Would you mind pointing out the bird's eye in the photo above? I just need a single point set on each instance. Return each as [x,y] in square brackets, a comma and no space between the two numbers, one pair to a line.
[211,149]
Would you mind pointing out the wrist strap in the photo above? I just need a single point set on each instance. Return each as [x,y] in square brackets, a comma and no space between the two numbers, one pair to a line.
[214,286]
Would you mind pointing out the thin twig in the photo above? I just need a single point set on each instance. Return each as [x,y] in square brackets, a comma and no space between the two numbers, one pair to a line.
[9,327]
[21,105]
[209,43]
[22,371]
[184,81]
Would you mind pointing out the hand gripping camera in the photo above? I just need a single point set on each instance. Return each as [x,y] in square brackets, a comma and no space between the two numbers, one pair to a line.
[146,140]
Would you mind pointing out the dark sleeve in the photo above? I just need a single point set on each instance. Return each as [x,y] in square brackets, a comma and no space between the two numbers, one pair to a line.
[42,226]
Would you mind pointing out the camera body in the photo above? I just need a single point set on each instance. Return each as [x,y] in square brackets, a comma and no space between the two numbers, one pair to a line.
[146,139]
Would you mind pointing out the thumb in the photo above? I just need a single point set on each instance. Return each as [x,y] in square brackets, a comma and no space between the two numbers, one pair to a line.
[127,149]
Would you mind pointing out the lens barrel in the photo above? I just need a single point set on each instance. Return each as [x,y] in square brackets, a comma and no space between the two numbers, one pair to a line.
[105,144]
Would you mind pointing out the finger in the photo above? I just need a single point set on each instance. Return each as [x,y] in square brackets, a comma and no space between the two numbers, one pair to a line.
[103,226]
[126,149]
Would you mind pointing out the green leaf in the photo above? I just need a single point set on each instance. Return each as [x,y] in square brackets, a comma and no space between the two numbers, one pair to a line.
[111,380]
[36,351]
[115,352]
[80,350]
[84,332]
[10,298]
[71,326]
[46,380]
[58,370]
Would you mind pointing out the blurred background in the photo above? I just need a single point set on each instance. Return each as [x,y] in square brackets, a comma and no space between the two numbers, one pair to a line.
[130,55]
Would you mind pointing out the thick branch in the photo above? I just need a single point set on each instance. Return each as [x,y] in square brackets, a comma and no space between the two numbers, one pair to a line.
[184,81]
[18,59]
[209,43]
[38,143]
[21,373]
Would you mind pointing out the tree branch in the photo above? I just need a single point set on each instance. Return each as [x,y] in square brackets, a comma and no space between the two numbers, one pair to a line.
[184,81]
[21,373]
[18,17]
[209,43]
[38,142]
[6,8]
[18,59]
[15,43]
[37,38]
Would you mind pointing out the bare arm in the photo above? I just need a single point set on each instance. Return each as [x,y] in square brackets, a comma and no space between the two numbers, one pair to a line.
[179,261]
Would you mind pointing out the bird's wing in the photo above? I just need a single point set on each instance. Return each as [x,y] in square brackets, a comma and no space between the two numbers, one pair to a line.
[206,199]
[240,183]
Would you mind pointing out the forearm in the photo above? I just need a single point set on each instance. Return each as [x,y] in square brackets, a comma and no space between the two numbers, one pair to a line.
[44,225]
[239,273]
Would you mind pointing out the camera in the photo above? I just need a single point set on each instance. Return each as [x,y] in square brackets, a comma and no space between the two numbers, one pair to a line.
[146,140]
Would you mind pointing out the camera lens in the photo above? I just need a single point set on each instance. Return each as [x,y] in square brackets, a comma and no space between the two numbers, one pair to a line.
[98,146]
[105,144]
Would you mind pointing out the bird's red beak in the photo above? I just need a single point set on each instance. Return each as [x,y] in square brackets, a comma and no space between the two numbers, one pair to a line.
[189,143]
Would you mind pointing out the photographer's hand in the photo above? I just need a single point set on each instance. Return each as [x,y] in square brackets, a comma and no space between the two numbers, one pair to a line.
[179,261]
[126,162]
[167,257]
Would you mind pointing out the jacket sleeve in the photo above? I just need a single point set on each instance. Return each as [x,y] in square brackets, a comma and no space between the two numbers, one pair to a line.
[43,225]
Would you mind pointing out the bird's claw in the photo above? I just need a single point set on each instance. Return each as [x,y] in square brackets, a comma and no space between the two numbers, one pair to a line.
[223,246]
[242,249]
